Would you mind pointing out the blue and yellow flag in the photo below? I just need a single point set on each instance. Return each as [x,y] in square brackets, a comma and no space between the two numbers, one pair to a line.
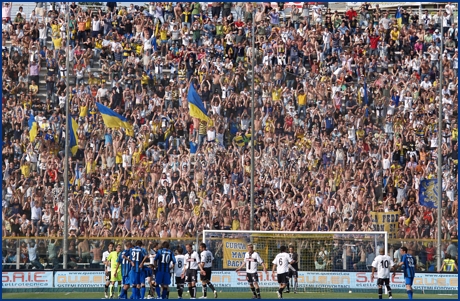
[365,97]
[33,128]
[73,136]
[398,17]
[115,120]
[195,105]
[428,193]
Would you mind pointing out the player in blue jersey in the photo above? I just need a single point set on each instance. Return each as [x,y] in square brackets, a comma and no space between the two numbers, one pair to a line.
[136,258]
[408,264]
[147,273]
[125,269]
[163,260]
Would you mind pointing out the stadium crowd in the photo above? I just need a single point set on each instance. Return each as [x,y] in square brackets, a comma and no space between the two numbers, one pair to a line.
[346,108]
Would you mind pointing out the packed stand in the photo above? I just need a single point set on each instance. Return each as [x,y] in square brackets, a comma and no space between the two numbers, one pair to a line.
[346,108]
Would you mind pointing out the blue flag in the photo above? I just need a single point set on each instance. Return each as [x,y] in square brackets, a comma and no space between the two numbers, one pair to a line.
[365,97]
[428,193]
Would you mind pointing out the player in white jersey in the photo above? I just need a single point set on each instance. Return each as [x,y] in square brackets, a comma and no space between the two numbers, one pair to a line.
[252,260]
[107,268]
[178,268]
[293,270]
[205,270]
[154,287]
[190,270]
[383,263]
[281,263]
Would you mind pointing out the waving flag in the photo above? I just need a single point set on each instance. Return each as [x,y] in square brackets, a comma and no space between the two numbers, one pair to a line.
[33,128]
[114,120]
[195,105]
[73,126]
[398,17]
[428,193]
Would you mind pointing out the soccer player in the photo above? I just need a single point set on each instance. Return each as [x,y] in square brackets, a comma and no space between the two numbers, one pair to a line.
[115,274]
[136,259]
[408,265]
[190,270]
[147,274]
[205,270]
[383,263]
[293,270]
[125,269]
[164,258]
[154,287]
[252,260]
[281,263]
[178,271]
[107,268]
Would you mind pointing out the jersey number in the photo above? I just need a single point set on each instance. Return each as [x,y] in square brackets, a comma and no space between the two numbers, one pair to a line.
[179,264]
[135,256]
[281,262]
[208,259]
[410,262]
[384,264]
[165,258]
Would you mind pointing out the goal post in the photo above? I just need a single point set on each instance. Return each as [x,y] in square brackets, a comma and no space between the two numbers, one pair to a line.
[328,261]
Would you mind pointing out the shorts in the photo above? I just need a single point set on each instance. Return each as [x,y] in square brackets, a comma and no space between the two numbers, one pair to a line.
[409,280]
[125,280]
[282,278]
[163,278]
[190,276]
[207,275]
[252,277]
[115,277]
[134,278]
[293,274]
[107,276]
[383,281]
[180,280]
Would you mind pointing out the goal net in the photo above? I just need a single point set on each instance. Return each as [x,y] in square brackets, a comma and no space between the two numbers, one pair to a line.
[328,261]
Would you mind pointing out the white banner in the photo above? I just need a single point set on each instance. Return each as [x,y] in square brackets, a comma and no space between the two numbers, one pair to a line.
[79,279]
[351,280]
[32,279]
[386,4]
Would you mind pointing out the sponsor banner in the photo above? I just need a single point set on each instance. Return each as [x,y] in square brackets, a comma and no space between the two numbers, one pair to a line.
[32,279]
[233,250]
[386,4]
[78,279]
[350,280]
[386,221]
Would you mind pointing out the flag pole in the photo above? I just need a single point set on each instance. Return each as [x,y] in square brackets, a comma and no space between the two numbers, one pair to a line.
[66,157]
[439,238]
[252,122]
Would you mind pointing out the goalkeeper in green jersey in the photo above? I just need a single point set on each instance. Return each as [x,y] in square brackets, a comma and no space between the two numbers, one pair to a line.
[115,277]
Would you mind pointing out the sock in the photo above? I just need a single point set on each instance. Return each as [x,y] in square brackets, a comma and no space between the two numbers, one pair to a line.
[167,294]
[158,290]
[135,293]
[151,290]
[205,290]
[281,291]
[296,285]
[180,289]
[287,286]
[111,289]
[389,291]
[409,293]
[258,291]
[164,293]
[106,288]
[193,292]
[142,292]
[380,292]
[124,293]
[211,286]
[119,289]
[253,289]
